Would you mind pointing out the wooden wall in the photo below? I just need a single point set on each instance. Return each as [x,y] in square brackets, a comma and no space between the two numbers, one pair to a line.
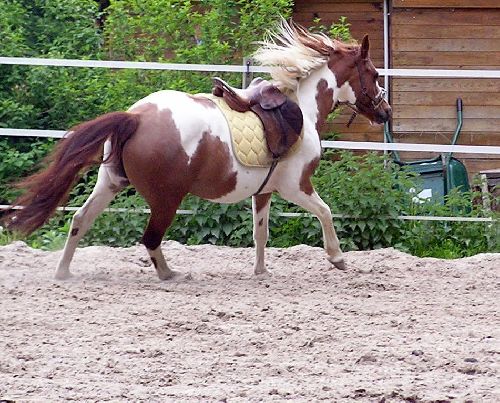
[436,34]
[365,17]
[440,37]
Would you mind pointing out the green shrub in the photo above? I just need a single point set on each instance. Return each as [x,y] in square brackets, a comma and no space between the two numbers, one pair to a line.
[19,158]
[370,191]
[452,239]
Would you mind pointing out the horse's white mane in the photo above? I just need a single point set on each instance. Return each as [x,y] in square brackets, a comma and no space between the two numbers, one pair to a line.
[292,52]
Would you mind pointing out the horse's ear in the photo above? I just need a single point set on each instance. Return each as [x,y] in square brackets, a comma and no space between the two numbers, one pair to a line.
[365,47]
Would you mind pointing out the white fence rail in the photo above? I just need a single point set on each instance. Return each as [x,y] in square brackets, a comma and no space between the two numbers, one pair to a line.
[353,145]
[348,145]
[439,148]
[115,64]
[290,215]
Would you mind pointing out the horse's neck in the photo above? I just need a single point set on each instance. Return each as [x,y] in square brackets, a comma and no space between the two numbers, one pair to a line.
[316,95]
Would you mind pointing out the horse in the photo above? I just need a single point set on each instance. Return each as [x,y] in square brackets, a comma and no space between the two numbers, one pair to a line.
[171,143]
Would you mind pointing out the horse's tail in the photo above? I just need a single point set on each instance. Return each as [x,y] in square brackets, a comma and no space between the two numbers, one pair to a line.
[48,188]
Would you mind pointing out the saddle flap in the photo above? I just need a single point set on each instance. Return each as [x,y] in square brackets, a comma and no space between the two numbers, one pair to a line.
[283,126]
[271,97]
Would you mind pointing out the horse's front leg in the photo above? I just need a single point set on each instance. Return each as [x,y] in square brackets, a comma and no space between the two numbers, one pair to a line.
[307,198]
[260,209]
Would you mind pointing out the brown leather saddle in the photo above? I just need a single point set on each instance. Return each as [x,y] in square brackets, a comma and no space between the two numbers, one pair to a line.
[281,117]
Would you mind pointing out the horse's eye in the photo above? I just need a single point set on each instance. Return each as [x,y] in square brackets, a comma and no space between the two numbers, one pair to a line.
[376,76]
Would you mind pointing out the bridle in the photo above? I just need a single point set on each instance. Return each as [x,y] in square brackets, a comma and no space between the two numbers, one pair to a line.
[374,103]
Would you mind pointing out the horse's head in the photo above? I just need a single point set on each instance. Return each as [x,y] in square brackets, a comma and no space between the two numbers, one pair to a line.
[294,53]
[357,79]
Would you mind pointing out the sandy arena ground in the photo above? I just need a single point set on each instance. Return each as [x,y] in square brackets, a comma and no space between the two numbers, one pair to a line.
[393,328]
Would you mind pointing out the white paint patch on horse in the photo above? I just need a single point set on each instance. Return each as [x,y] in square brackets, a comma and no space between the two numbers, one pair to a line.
[154,98]
[164,272]
[193,120]
[208,120]
[346,93]
[183,109]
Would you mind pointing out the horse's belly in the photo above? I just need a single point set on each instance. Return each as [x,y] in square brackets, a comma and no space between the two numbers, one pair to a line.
[248,180]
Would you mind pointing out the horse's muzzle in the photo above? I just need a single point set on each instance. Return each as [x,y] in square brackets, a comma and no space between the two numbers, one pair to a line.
[383,113]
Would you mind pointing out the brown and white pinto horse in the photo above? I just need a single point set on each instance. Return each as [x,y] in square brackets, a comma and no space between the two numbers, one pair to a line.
[170,144]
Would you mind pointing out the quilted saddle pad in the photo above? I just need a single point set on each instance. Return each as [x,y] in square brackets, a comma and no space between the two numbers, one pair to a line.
[247,133]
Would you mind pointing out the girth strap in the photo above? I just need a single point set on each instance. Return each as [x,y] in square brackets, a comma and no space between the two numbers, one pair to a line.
[271,169]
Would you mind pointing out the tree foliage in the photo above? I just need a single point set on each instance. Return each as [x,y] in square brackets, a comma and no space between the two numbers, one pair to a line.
[183,31]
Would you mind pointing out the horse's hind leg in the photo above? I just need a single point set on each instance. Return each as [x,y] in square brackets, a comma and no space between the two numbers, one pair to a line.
[260,208]
[311,201]
[162,215]
[104,191]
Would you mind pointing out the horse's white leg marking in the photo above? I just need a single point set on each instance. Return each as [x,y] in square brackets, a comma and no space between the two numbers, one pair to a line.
[315,205]
[104,191]
[260,208]
[164,272]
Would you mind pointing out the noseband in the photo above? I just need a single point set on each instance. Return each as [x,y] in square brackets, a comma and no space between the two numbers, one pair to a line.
[374,103]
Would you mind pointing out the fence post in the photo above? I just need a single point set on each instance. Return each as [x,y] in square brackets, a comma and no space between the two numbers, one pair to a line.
[247,75]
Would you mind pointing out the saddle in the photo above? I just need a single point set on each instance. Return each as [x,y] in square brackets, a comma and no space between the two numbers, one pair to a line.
[281,117]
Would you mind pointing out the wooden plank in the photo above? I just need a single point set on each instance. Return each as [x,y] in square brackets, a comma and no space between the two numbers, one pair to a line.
[355,20]
[357,25]
[445,45]
[478,165]
[435,59]
[360,24]
[451,16]
[374,31]
[347,6]
[472,165]
[359,126]
[376,137]
[446,3]
[415,156]
[444,112]
[484,157]
[465,138]
[491,138]
[444,98]
[333,16]
[445,31]
[342,120]
[447,84]
[444,125]
[453,67]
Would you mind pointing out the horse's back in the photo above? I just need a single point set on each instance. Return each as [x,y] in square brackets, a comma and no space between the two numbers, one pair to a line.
[182,142]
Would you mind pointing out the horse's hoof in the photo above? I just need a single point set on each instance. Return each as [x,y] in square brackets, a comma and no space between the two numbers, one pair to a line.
[263,274]
[170,275]
[62,275]
[339,264]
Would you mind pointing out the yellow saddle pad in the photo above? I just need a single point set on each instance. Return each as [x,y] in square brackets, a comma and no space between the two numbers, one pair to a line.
[247,133]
